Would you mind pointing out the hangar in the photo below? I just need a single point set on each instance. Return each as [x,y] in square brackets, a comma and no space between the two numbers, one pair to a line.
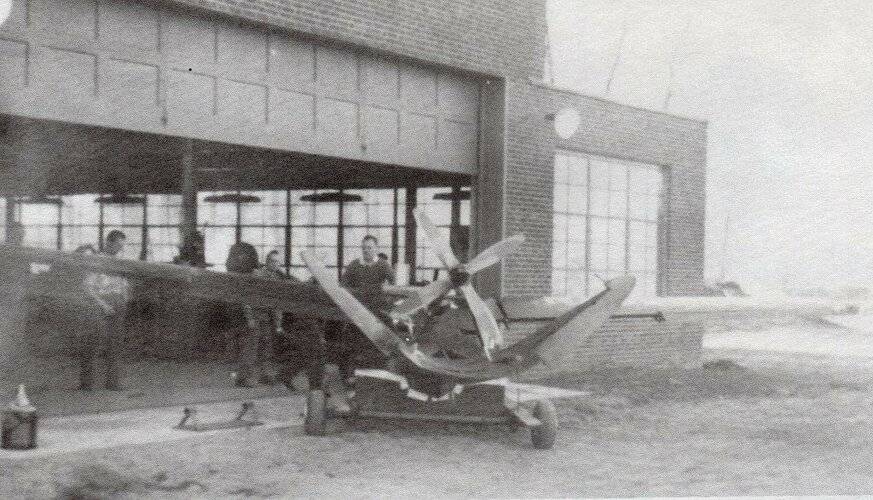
[306,124]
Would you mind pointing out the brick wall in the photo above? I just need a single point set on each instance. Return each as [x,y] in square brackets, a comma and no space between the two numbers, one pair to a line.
[611,130]
[493,37]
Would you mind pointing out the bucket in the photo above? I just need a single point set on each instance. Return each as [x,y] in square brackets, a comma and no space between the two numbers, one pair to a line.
[19,424]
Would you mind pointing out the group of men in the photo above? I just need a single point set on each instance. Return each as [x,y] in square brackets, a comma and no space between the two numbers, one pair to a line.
[256,354]
[98,314]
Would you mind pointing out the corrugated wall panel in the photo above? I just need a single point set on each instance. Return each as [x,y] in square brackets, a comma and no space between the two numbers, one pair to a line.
[128,65]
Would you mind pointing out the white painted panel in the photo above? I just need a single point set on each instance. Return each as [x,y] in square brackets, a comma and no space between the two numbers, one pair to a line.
[242,49]
[338,121]
[13,64]
[293,112]
[241,103]
[64,74]
[77,18]
[291,60]
[418,87]
[458,96]
[337,70]
[382,79]
[189,39]
[418,134]
[457,142]
[129,24]
[190,98]
[382,128]
[130,85]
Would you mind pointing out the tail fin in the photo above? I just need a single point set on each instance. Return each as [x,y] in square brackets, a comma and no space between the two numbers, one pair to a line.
[558,338]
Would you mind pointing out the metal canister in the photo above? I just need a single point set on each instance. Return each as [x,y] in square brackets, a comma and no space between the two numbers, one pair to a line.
[19,423]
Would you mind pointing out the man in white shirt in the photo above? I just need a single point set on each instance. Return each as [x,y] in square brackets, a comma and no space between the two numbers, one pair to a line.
[108,295]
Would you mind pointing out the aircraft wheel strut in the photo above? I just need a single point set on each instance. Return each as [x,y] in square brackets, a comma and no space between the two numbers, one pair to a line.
[315,421]
[543,435]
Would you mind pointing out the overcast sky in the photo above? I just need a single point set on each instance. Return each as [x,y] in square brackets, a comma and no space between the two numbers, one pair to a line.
[787,89]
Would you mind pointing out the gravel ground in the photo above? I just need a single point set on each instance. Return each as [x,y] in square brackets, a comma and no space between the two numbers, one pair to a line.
[750,422]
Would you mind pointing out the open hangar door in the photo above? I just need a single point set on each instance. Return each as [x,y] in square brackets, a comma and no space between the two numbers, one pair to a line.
[70,196]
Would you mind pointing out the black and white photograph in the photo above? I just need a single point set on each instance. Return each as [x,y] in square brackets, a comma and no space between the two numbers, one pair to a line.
[436,248]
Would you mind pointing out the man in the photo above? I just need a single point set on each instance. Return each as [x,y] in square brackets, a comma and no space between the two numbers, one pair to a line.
[369,271]
[367,274]
[108,297]
[256,351]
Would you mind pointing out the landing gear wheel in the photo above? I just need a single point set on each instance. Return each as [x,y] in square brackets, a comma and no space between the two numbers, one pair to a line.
[543,435]
[315,421]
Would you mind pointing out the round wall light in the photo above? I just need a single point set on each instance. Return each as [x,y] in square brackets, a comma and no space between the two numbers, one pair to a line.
[567,122]
[5,10]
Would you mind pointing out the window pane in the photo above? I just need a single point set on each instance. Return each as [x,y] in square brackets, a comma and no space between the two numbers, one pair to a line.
[559,230]
[560,200]
[576,283]
[355,214]
[578,172]
[558,282]
[575,256]
[638,206]
[617,177]
[559,256]
[561,169]
[600,202]
[617,204]
[599,230]
[637,260]
[617,229]
[599,175]
[578,201]
[576,227]
[599,256]
[218,241]
[616,259]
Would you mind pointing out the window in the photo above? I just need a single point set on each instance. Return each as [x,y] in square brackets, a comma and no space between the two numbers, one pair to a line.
[163,219]
[440,212]
[605,223]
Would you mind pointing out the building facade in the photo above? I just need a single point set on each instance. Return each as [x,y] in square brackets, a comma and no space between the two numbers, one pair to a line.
[308,124]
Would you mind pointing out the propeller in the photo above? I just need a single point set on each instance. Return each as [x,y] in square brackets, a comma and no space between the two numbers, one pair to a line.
[459,277]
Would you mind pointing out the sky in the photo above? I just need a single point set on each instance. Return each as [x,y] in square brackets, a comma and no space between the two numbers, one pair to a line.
[787,90]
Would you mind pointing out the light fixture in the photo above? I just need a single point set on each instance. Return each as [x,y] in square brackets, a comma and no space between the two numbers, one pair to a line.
[120,199]
[463,195]
[39,199]
[232,198]
[331,197]
[566,122]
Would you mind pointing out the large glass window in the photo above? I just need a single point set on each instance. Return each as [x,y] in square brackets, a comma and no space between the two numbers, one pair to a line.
[437,204]
[605,223]
[41,222]
[163,219]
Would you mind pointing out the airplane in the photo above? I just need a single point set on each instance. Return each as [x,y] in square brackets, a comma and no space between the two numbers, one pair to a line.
[424,338]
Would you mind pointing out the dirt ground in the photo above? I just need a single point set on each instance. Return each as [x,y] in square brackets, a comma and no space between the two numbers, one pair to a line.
[748,423]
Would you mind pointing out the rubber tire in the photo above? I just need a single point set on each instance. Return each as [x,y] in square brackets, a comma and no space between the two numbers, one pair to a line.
[316,417]
[543,436]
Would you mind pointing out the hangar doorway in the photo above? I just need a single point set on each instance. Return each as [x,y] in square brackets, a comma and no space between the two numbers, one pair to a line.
[73,184]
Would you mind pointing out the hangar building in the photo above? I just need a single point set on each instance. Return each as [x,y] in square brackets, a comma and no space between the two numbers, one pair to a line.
[303,123]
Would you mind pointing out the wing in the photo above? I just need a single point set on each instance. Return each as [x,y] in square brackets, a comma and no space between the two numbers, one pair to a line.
[555,340]
[378,333]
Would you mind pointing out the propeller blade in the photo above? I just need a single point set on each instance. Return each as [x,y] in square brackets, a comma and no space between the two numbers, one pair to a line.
[378,333]
[494,254]
[489,332]
[439,244]
[423,297]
